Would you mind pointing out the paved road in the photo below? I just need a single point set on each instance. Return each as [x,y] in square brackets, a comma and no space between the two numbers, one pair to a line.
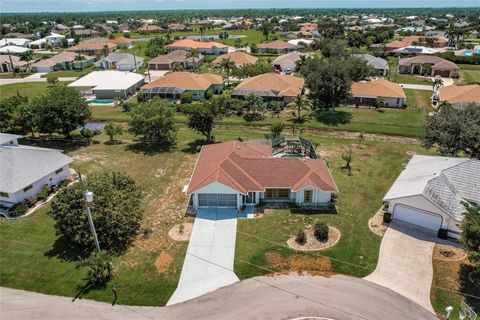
[279,297]
[208,264]
[405,262]
[32,79]
[417,86]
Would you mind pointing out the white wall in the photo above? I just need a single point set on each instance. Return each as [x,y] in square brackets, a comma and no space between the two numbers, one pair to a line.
[318,196]
[50,179]
[421,202]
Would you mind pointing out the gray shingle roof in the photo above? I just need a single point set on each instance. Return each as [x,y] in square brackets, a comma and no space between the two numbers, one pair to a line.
[122,58]
[23,165]
[7,137]
[375,62]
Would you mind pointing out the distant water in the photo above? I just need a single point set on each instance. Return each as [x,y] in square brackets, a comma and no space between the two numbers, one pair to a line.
[214,36]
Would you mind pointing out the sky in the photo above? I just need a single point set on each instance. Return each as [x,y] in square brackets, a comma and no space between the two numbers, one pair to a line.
[117,5]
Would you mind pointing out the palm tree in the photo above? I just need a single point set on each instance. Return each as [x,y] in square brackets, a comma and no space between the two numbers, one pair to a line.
[266,28]
[300,102]
[28,57]
[177,66]
[118,101]
[202,31]
[379,102]
[227,65]
[53,81]
[194,53]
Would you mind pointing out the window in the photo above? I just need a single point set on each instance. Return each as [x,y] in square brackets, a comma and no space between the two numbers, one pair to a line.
[307,196]
[3,194]
[58,171]
[277,193]
[27,188]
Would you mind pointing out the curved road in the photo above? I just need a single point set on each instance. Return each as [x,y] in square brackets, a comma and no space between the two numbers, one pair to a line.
[280,297]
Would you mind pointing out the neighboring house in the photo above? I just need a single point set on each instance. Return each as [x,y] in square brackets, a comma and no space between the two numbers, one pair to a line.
[301,42]
[15,50]
[121,42]
[287,63]
[172,85]
[428,66]
[239,58]
[11,63]
[177,27]
[205,47]
[271,86]
[236,174]
[459,96]
[24,170]
[54,39]
[276,47]
[109,84]
[366,93]
[150,28]
[85,33]
[166,61]
[92,48]
[380,65]
[437,42]
[63,61]
[120,62]
[19,42]
[430,192]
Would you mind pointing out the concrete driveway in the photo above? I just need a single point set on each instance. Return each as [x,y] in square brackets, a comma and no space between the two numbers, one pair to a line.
[417,86]
[405,262]
[208,264]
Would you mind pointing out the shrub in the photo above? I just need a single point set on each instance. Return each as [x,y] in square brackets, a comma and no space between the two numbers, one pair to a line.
[18,209]
[43,193]
[127,106]
[320,231]
[387,217]
[100,268]
[186,97]
[89,134]
[301,237]
[209,93]
[63,183]
[31,201]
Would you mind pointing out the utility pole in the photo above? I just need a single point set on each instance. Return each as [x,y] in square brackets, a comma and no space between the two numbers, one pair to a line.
[88,197]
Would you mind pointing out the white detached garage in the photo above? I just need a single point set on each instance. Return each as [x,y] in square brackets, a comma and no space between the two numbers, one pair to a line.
[431,190]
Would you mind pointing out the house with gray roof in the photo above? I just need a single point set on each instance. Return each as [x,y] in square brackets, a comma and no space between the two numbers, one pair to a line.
[120,62]
[432,192]
[25,169]
[380,65]
[287,63]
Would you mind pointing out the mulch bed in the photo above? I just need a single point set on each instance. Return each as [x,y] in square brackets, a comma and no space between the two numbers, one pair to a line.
[175,234]
[377,225]
[312,244]
[448,253]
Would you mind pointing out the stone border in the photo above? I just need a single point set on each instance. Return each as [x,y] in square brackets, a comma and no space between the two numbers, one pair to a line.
[379,213]
[309,232]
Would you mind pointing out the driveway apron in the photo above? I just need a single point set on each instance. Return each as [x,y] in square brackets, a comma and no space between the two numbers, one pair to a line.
[405,262]
[208,263]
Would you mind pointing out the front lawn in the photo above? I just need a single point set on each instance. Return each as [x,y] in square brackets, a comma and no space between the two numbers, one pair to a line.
[28,89]
[375,167]
[68,73]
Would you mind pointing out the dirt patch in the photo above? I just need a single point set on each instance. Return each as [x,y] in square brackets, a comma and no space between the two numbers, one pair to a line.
[448,253]
[312,244]
[315,265]
[185,233]
[377,225]
[163,262]
[100,158]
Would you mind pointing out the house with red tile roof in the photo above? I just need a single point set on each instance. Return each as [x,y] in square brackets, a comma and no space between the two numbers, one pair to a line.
[460,96]
[235,174]
[205,47]
[367,92]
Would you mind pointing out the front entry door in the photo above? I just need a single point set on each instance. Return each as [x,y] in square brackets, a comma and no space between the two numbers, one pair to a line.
[307,196]
[250,198]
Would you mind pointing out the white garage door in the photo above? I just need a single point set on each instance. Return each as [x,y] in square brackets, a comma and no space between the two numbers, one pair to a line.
[223,200]
[418,217]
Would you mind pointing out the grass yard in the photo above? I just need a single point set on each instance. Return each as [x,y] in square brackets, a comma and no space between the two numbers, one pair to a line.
[28,89]
[469,74]
[404,122]
[261,243]
[68,73]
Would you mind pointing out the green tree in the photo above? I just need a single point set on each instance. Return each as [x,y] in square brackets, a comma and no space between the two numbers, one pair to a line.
[112,130]
[52,81]
[228,66]
[100,269]
[255,106]
[300,102]
[61,109]
[9,113]
[276,129]
[379,103]
[266,29]
[105,51]
[116,212]
[194,54]
[471,233]
[202,117]
[28,57]
[154,121]
[454,131]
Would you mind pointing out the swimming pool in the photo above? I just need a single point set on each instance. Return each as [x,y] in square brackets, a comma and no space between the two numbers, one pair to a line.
[101,101]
